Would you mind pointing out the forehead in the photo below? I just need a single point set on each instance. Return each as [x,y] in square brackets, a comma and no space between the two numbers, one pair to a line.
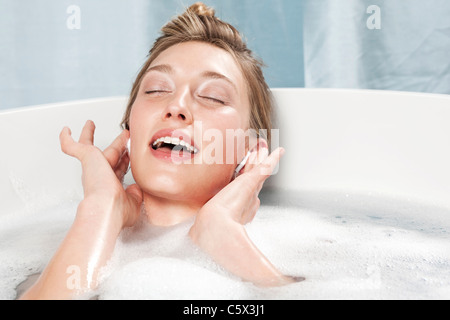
[198,58]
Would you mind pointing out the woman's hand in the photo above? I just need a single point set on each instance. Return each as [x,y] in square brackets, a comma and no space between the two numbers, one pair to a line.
[219,231]
[103,172]
[101,215]
[239,199]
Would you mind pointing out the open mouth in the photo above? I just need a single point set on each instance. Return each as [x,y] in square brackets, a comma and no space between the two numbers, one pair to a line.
[171,144]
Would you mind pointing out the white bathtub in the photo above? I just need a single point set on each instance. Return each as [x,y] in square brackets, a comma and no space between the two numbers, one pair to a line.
[368,141]
[376,144]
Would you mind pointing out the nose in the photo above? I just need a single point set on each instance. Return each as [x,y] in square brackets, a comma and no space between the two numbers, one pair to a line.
[178,108]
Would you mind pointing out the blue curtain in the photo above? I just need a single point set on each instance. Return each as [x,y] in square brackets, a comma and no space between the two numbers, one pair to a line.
[375,44]
[60,50]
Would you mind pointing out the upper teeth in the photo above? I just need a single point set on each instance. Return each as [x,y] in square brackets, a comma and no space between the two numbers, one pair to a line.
[175,142]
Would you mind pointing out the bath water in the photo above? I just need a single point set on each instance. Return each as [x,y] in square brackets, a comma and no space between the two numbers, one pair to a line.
[347,246]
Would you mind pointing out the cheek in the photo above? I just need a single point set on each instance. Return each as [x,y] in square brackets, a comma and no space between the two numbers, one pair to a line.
[224,139]
[210,179]
[141,122]
[136,126]
[142,119]
[137,115]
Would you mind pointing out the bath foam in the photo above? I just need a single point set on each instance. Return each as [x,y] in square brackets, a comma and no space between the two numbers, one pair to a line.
[170,278]
[28,240]
[352,254]
[346,246]
[162,263]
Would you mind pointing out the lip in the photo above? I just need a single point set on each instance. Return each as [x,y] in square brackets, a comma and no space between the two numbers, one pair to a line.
[173,156]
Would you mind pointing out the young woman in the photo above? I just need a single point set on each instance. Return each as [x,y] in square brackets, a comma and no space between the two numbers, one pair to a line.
[200,78]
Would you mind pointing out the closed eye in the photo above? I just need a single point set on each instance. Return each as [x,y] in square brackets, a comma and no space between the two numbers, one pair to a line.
[156,91]
[213,99]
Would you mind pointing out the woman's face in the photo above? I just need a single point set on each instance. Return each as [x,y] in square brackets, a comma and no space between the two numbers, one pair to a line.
[194,92]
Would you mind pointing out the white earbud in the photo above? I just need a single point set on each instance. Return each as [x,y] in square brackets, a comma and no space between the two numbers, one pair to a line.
[242,164]
[129,154]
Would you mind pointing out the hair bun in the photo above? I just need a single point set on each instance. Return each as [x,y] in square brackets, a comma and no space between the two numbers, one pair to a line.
[200,9]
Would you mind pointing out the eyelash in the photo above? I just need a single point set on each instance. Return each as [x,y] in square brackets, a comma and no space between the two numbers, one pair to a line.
[204,97]
[155,91]
[213,99]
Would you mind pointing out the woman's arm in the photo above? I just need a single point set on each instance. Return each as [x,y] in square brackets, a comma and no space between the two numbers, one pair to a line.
[87,246]
[101,215]
[219,230]
[231,247]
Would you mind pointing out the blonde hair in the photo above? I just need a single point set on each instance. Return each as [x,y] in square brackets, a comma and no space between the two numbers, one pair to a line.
[199,23]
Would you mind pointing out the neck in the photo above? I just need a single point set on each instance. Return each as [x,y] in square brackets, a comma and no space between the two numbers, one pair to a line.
[167,212]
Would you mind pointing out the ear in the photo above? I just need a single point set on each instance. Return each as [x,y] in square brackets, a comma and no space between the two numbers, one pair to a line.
[257,151]
[257,143]
[262,144]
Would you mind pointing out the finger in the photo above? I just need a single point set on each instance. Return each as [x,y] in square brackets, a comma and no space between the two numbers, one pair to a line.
[68,145]
[264,170]
[262,155]
[256,157]
[251,162]
[122,167]
[251,183]
[117,148]
[268,165]
[87,134]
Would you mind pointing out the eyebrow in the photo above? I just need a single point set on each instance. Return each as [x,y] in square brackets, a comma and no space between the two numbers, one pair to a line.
[165,68]
[216,75]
